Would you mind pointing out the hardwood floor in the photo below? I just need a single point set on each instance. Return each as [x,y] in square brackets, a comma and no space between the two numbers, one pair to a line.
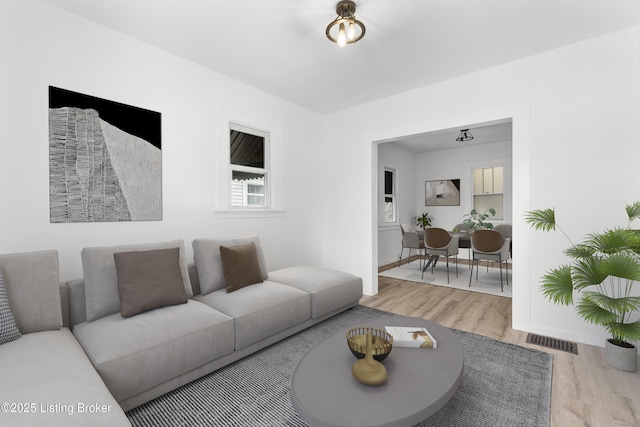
[585,390]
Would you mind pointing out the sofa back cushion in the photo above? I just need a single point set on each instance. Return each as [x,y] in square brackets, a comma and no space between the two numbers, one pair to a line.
[101,279]
[32,283]
[206,254]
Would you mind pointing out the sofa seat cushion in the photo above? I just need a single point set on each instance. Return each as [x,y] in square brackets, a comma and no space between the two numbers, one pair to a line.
[260,310]
[137,353]
[330,289]
[51,371]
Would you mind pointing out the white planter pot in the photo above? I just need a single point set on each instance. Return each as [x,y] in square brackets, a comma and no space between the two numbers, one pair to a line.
[622,358]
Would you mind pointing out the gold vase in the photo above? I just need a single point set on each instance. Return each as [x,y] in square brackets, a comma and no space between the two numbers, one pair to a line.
[369,371]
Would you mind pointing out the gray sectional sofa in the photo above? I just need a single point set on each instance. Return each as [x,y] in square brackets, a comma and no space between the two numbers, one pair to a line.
[46,378]
[144,355]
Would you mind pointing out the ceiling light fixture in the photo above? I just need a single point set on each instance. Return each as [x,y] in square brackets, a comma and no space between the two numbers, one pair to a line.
[349,29]
[464,136]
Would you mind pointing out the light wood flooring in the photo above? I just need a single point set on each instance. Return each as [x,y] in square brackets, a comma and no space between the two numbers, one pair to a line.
[585,390]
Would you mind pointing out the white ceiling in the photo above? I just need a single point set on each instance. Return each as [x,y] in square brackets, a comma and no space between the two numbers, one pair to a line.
[280,46]
[445,139]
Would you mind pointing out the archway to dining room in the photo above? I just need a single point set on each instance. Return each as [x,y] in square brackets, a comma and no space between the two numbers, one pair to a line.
[409,165]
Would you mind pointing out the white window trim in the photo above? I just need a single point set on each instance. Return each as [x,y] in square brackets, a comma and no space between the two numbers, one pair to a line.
[394,195]
[265,171]
[507,183]
[227,119]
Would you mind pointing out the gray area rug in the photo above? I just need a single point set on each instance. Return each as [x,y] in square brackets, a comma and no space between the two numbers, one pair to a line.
[504,385]
[488,281]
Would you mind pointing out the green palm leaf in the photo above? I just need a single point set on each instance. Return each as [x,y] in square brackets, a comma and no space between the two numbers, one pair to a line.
[558,286]
[633,211]
[622,265]
[624,331]
[611,241]
[618,305]
[580,251]
[590,311]
[542,219]
[587,272]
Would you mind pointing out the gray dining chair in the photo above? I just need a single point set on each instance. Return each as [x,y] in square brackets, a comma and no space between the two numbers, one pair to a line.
[411,240]
[489,245]
[505,230]
[438,242]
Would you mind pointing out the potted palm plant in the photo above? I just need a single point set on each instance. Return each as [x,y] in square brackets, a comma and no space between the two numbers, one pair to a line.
[600,281]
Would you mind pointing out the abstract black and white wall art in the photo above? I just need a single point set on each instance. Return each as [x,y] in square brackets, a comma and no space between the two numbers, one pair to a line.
[105,160]
[444,192]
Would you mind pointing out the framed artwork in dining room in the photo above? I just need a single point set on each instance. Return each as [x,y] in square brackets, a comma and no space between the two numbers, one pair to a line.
[442,192]
[105,160]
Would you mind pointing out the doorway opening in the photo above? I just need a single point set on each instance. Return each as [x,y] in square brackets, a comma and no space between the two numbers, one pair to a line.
[479,167]
[519,117]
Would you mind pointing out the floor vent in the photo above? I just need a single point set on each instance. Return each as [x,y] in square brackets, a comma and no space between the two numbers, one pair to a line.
[556,344]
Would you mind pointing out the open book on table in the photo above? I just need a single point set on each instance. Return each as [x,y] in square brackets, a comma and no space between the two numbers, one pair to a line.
[407,336]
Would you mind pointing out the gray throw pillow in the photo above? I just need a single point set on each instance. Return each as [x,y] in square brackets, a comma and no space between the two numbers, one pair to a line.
[206,254]
[101,279]
[8,329]
[149,280]
[240,266]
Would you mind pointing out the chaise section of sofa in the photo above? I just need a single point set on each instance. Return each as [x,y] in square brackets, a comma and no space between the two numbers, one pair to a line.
[46,378]
[136,354]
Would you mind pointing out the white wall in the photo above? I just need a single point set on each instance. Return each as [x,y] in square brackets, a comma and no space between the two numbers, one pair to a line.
[390,236]
[575,117]
[42,45]
[458,163]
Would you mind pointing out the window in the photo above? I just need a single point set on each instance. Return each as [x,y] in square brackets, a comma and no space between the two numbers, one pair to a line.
[488,190]
[249,167]
[389,195]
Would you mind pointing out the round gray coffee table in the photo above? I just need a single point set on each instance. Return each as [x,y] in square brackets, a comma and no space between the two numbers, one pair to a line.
[419,381]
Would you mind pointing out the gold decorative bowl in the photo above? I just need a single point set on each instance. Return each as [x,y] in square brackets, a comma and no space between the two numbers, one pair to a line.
[382,342]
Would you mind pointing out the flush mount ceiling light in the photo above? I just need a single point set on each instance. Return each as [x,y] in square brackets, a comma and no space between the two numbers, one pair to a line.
[346,28]
[464,136]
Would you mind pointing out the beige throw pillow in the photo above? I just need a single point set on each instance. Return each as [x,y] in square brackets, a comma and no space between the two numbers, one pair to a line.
[148,280]
[240,266]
